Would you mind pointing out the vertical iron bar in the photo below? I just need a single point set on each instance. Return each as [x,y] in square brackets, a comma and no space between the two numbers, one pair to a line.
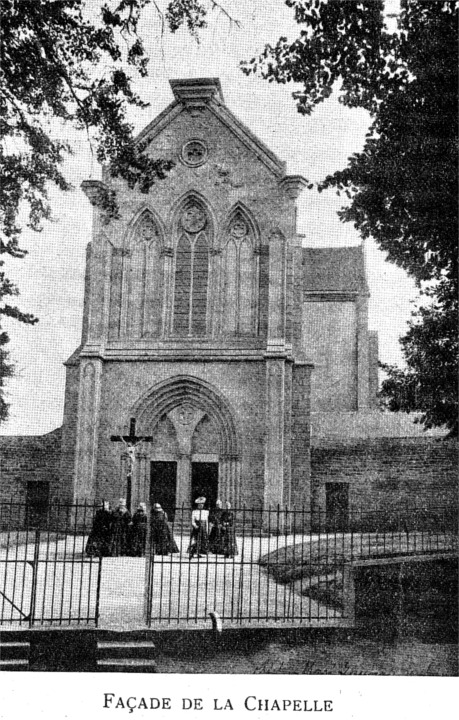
[34,578]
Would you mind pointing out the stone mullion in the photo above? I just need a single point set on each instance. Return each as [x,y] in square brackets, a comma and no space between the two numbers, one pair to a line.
[255,291]
[143,291]
[168,290]
[214,294]
[125,268]
[190,312]
[238,287]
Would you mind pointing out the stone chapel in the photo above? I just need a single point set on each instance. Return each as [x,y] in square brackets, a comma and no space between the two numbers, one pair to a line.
[209,330]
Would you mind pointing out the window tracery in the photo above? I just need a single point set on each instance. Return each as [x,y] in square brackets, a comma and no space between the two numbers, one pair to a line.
[191,272]
[239,278]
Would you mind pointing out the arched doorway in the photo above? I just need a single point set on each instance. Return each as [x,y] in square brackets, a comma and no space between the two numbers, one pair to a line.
[195,448]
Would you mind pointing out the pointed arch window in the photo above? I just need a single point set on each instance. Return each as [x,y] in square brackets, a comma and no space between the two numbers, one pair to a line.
[239,278]
[191,272]
[136,283]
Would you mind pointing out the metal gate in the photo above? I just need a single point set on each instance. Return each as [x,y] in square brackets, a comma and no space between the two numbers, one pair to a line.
[45,576]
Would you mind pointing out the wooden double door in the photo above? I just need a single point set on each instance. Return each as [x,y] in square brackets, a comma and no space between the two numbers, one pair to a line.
[163,484]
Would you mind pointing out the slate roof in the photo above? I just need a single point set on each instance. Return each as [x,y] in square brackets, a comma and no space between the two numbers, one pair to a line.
[334,270]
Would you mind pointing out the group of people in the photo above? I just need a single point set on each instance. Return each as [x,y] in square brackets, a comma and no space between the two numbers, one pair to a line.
[220,539]
[116,532]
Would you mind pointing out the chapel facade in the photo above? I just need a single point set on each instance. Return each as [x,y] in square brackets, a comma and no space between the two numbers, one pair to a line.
[209,330]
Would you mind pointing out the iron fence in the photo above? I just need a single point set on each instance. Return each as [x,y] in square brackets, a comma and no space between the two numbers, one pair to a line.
[251,566]
[287,565]
[45,576]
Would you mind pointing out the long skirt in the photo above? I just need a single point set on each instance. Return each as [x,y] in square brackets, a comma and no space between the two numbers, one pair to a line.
[99,539]
[138,539]
[216,540]
[199,541]
[228,543]
[162,541]
[120,536]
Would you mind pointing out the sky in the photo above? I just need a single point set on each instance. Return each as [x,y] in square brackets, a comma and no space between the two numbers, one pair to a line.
[51,277]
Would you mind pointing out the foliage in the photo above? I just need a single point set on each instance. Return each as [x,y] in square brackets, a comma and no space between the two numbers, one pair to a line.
[430,381]
[402,186]
[6,371]
[70,62]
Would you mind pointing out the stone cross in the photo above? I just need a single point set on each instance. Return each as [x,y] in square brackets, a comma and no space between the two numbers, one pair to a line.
[131,441]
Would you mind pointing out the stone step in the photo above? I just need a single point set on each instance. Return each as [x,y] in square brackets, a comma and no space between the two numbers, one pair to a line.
[125,650]
[133,665]
[14,650]
[14,664]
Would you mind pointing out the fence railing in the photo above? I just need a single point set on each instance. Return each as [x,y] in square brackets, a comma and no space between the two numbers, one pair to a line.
[46,578]
[248,565]
[277,565]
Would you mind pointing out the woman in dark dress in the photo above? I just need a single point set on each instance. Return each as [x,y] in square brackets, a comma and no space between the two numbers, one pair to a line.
[100,535]
[199,541]
[162,541]
[120,529]
[215,535]
[228,532]
[138,531]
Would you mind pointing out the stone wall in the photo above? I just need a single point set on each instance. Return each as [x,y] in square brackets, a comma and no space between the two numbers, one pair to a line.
[384,472]
[30,458]
[330,341]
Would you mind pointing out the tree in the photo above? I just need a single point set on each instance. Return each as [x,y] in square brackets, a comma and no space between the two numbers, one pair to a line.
[402,186]
[62,62]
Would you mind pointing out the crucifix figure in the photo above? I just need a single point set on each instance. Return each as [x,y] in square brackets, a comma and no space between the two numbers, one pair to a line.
[130,441]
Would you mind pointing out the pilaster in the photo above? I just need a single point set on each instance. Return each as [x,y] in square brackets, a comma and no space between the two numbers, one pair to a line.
[300,452]
[87,429]
[362,353]
[277,292]
[274,447]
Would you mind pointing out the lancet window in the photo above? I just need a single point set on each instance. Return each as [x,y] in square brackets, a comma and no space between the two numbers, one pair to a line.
[136,287]
[191,272]
[239,278]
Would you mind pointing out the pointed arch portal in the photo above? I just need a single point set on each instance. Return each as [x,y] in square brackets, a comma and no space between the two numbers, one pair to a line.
[202,453]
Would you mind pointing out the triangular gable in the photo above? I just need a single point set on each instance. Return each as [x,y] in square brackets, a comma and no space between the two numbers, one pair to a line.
[190,95]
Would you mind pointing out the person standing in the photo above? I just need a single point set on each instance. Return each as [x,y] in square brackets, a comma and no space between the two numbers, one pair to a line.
[161,538]
[120,529]
[215,535]
[138,531]
[229,544]
[100,535]
[199,541]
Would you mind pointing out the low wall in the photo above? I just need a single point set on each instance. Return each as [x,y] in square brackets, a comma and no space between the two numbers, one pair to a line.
[384,472]
[29,457]
[404,595]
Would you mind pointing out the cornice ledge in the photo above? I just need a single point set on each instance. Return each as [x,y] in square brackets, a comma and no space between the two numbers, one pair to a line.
[293,185]
[196,92]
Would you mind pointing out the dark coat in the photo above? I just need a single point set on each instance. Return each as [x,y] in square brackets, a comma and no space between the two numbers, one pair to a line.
[228,530]
[138,534]
[120,532]
[99,540]
[162,541]
[216,534]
